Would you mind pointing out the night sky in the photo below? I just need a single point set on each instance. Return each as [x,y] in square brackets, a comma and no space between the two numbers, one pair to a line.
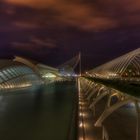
[53,31]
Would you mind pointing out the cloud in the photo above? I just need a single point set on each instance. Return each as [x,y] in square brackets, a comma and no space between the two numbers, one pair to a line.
[30,48]
[126,5]
[9,11]
[26,24]
[49,43]
[63,27]
[98,15]
[34,3]
[65,13]
[34,45]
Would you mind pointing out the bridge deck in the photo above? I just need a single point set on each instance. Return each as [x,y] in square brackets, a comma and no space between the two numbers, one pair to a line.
[87,131]
[121,125]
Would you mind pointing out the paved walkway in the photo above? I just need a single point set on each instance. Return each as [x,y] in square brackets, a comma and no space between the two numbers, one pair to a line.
[87,131]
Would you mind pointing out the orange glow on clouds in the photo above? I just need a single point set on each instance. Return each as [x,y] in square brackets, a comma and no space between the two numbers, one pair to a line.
[33,3]
[97,15]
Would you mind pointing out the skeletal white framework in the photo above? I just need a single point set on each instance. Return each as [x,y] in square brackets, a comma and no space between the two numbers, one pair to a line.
[127,65]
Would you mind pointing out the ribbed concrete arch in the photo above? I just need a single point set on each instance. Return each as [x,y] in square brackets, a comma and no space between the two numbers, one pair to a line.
[97,99]
[26,62]
[110,110]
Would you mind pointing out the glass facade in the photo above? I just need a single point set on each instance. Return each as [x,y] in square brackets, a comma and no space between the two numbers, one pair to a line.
[18,77]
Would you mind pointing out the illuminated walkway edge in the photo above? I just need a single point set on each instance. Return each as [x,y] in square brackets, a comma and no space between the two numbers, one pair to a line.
[87,131]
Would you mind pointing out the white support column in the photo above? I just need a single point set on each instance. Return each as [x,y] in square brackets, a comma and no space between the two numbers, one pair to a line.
[94,111]
[79,86]
[109,99]
[96,100]
[104,133]
[99,91]
[91,94]
[88,92]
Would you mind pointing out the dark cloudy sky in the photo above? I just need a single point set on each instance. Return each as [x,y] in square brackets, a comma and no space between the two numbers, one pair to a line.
[53,31]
